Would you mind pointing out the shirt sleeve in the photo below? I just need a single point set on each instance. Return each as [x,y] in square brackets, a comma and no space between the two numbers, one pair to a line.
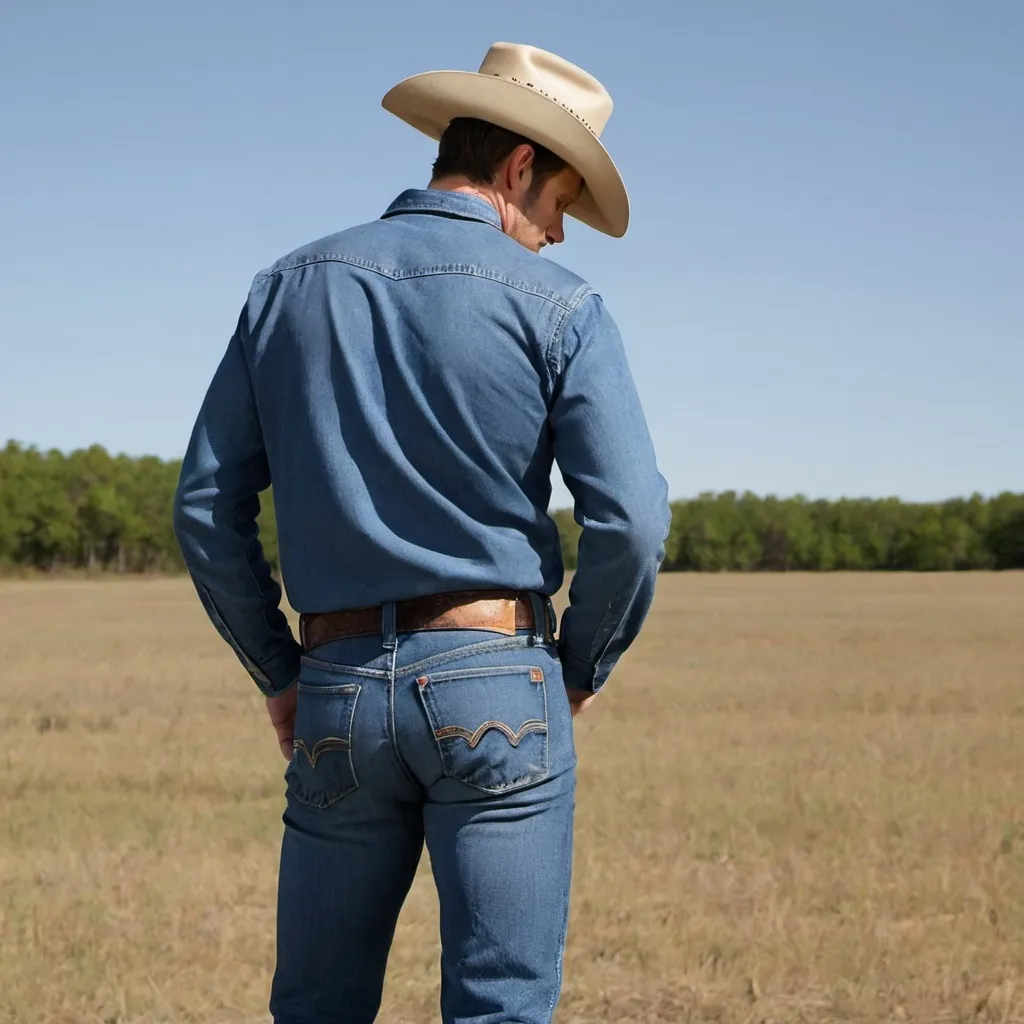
[215,508]
[606,457]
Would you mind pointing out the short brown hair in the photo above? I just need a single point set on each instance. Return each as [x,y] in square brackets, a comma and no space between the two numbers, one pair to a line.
[474,149]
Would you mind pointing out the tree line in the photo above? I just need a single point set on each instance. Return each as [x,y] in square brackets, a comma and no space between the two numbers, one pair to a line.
[92,510]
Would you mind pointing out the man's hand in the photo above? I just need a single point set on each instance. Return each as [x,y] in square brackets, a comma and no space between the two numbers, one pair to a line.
[579,700]
[282,718]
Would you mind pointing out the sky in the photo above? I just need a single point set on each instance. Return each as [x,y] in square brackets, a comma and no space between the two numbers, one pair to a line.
[821,291]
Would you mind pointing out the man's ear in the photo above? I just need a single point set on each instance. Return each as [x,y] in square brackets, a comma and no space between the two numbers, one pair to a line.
[520,163]
[511,174]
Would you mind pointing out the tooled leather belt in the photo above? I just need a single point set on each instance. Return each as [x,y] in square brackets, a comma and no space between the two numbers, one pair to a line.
[497,611]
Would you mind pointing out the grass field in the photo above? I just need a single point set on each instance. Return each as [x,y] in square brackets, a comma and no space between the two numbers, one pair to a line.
[801,799]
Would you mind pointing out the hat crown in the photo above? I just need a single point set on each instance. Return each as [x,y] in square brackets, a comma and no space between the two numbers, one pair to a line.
[553,77]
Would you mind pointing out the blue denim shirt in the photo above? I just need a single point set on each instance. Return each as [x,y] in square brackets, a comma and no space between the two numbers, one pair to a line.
[406,386]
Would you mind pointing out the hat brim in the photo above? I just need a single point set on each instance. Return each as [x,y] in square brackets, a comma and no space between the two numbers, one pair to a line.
[431,101]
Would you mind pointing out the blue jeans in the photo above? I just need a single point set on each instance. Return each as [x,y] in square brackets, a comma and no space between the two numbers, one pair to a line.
[463,739]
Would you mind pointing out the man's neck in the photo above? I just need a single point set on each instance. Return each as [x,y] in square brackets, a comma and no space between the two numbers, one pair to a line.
[488,193]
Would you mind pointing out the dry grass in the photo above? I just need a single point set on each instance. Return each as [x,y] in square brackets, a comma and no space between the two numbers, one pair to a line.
[802,799]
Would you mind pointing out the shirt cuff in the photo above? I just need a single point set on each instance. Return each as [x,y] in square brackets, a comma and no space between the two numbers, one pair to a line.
[279,674]
[274,676]
[578,673]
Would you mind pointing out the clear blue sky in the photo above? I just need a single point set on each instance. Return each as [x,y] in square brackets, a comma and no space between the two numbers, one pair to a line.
[822,290]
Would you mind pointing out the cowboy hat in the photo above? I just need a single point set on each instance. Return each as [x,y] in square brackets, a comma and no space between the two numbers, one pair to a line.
[540,96]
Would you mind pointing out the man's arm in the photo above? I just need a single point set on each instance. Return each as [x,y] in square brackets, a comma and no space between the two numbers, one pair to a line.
[605,453]
[215,510]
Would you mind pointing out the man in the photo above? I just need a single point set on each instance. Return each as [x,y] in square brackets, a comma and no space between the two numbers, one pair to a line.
[406,386]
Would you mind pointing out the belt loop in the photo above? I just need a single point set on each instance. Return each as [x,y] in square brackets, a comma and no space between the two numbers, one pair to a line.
[302,632]
[387,626]
[540,617]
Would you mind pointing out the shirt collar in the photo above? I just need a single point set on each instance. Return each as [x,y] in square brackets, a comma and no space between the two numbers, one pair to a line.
[444,204]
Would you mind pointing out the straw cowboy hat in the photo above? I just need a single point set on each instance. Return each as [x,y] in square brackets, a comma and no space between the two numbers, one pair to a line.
[539,95]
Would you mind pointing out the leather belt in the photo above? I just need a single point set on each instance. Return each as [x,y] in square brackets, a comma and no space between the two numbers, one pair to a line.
[496,611]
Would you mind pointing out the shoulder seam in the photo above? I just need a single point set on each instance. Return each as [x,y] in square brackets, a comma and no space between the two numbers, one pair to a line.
[466,269]
[553,357]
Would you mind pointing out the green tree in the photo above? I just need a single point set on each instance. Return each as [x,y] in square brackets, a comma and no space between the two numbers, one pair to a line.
[88,509]
[1006,538]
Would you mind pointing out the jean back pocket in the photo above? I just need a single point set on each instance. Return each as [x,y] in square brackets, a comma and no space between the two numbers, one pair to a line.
[321,772]
[490,725]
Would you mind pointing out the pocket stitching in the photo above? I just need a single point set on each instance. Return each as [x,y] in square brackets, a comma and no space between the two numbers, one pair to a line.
[339,743]
[450,732]
[474,738]
[327,743]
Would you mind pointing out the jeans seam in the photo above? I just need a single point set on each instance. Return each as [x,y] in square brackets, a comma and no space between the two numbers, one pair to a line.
[479,673]
[467,651]
[335,666]
[396,752]
[566,896]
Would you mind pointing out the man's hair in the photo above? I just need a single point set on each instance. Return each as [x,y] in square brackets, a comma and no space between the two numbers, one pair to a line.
[474,149]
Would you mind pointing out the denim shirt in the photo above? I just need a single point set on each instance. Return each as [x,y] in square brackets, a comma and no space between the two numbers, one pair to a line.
[406,386]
